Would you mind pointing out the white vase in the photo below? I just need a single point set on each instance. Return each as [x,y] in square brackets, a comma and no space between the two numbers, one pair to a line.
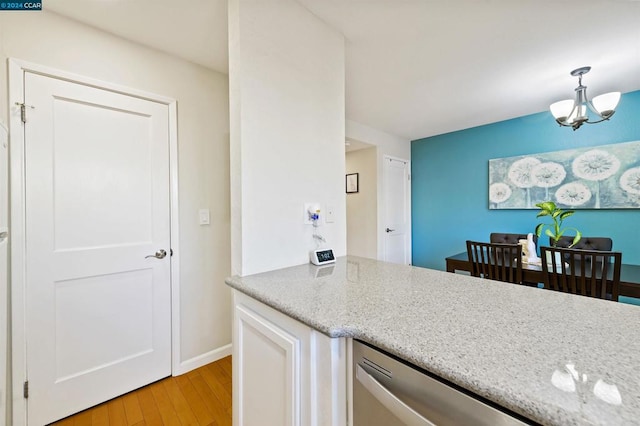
[524,250]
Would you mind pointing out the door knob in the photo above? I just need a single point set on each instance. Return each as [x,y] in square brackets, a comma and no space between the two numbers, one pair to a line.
[160,254]
[389,230]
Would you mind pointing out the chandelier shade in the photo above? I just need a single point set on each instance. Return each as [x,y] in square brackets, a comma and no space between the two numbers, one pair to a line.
[606,103]
[574,112]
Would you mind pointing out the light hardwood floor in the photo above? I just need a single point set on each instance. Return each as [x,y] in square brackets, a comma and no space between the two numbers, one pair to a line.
[200,397]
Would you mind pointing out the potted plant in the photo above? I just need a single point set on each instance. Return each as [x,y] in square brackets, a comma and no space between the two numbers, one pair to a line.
[555,230]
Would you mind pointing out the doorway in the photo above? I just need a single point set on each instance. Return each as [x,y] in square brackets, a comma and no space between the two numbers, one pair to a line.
[362,206]
[396,187]
[92,227]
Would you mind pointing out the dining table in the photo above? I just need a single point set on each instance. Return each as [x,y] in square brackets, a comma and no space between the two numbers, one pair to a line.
[629,274]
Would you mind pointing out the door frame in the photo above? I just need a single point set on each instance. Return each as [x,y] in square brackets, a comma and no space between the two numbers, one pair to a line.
[17,216]
[383,203]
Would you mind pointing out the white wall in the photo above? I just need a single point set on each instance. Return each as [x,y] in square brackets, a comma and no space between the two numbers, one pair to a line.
[5,383]
[362,206]
[286,70]
[387,144]
[202,98]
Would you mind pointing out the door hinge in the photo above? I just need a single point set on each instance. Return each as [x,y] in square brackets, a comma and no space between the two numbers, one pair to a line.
[170,252]
[23,110]
[25,389]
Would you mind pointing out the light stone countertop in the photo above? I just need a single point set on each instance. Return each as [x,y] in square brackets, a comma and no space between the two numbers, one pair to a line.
[518,346]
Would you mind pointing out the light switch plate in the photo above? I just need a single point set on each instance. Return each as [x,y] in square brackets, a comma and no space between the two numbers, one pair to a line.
[330,215]
[204,216]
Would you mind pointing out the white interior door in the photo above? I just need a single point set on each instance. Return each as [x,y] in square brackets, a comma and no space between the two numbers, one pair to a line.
[397,210]
[98,310]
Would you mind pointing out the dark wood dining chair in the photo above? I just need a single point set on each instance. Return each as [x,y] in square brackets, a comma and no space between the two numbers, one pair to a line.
[586,243]
[506,238]
[592,273]
[500,262]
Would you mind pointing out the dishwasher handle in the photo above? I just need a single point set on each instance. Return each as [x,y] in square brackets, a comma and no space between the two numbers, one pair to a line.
[401,410]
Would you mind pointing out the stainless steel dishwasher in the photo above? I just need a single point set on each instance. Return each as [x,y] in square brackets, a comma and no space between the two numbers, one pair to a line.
[387,391]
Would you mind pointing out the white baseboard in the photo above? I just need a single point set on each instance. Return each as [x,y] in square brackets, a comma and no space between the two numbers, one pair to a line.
[204,359]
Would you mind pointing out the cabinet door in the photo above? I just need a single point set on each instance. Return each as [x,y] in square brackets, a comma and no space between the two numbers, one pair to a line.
[285,372]
[267,369]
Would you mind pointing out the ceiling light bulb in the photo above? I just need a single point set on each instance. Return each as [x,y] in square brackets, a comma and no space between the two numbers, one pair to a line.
[606,103]
[561,109]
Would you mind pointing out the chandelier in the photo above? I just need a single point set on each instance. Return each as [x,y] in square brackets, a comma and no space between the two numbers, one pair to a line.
[573,112]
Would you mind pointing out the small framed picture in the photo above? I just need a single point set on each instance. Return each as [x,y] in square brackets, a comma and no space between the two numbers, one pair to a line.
[352,183]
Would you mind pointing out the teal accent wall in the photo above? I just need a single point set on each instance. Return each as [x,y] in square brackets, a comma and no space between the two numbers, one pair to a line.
[450,173]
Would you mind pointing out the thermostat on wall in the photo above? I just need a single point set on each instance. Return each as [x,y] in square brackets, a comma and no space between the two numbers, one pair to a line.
[321,256]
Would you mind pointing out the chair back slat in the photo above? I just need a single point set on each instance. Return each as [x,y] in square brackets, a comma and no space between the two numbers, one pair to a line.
[500,262]
[592,273]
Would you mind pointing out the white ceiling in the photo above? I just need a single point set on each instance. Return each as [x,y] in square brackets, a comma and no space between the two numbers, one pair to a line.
[417,68]
[195,30]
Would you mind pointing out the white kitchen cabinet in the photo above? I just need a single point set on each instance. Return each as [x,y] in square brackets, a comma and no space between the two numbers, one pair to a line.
[285,372]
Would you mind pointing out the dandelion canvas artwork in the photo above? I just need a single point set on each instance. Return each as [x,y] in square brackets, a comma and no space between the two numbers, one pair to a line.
[603,177]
